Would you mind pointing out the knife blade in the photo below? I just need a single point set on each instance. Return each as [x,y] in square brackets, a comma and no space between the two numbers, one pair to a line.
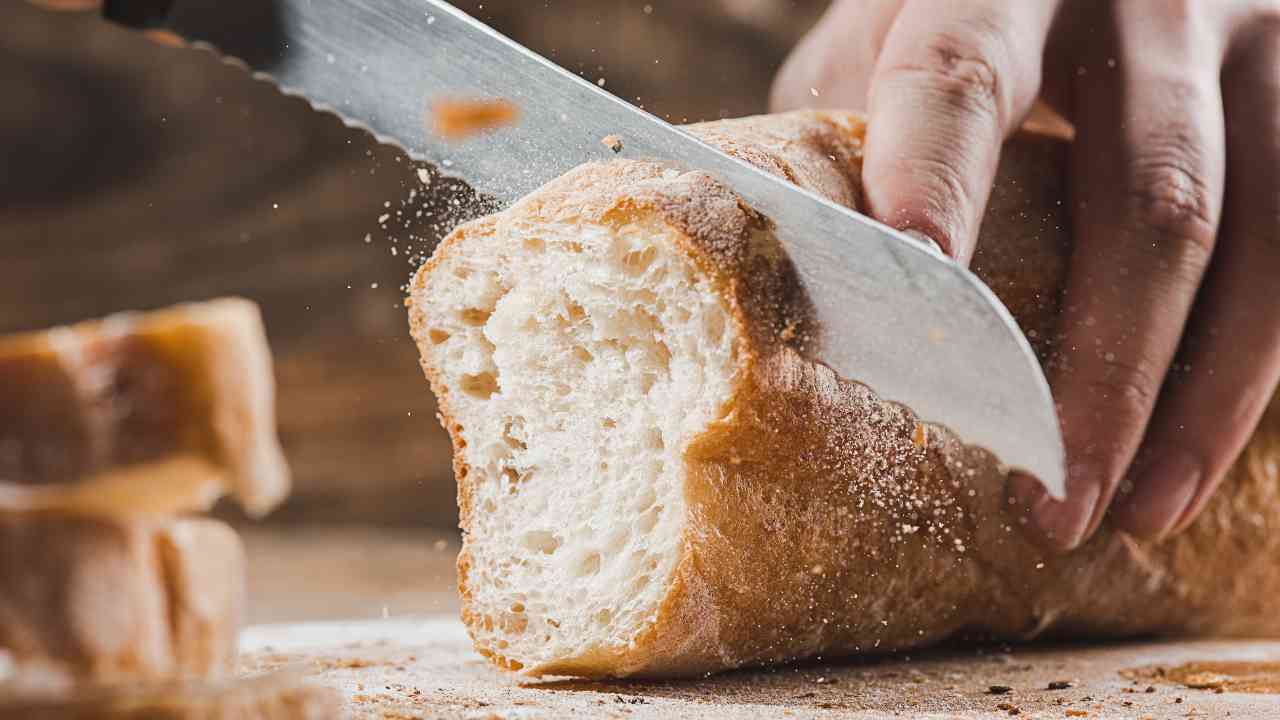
[915,327]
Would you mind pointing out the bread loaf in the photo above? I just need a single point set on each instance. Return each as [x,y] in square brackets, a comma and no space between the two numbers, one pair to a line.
[151,413]
[110,432]
[655,479]
[88,600]
[278,696]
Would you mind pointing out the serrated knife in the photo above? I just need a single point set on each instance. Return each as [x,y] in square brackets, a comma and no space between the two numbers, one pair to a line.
[916,327]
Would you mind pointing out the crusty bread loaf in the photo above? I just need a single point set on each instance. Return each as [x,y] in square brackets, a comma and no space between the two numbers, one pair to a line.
[279,696]
[90,600]
[151,413]
[655,480]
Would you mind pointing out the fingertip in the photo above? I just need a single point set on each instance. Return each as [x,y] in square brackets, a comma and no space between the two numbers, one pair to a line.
[926,242]
[1162,493]
[1058,525]
[918,203]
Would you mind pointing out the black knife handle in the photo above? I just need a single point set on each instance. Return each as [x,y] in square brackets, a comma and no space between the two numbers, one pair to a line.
[137,13]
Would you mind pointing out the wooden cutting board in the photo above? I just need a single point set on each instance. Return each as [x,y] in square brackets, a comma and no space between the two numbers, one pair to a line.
[425,668]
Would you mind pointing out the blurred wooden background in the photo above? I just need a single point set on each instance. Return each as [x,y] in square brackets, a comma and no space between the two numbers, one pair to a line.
[135,176]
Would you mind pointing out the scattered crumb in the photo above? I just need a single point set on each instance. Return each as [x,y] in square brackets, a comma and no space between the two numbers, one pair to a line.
[613,142]
[1205,681]
[920,437]
[1236,676]
[458,119]
[1077,713]
[1060,685]
[999,690]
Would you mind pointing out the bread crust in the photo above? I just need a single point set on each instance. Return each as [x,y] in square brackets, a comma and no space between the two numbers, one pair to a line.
[94,416]
[90,600]
[823,520]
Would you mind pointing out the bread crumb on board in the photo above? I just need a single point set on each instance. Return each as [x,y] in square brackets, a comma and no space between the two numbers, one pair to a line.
[613,142]
[1261,677]
[456,119]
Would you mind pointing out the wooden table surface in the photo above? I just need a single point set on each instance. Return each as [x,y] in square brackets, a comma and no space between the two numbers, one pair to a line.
[374,613]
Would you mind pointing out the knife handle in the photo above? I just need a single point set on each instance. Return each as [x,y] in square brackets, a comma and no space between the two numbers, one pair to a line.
[140,14]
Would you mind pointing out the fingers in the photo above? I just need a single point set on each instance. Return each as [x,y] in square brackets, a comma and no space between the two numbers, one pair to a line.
[831,67]
[1231,356]
[952,81]
[1147,186]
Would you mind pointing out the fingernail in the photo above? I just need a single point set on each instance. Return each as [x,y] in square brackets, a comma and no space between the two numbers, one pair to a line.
[925,240]
[1162,492]
[1061,525]
[1025,493]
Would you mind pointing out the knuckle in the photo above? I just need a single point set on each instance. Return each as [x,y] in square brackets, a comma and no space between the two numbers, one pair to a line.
[963,69]
[1171,202]
[1125,392]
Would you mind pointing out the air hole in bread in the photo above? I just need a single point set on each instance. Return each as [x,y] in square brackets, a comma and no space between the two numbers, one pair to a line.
[649,520]
[577,313]
[644,500]
[637,261]
[513,479]
[513,433]
[474,316]
[542,541]
[647,381]
[618,540]
[481,386]
[589,565]
[653,439]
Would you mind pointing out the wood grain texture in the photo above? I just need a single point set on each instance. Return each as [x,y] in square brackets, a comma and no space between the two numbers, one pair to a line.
[138,176]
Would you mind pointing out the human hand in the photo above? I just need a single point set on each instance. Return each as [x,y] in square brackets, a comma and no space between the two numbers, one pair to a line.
[1171,321]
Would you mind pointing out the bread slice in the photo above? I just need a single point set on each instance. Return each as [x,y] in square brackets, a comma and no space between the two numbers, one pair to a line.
[655,479]
[150,413]
[93,600]
[279,696]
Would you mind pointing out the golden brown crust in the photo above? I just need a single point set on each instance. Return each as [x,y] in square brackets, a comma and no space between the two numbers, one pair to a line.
[89,600]
[824,521]
[108,402]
